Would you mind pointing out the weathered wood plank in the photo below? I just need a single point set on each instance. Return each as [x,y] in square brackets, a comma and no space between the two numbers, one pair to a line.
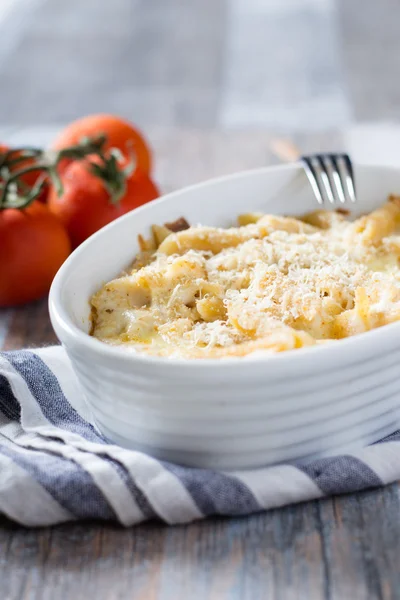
[335,549]
[5,318]
[361,536]
[30,326]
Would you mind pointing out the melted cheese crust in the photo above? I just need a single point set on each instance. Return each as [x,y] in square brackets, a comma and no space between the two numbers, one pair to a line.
[270,284]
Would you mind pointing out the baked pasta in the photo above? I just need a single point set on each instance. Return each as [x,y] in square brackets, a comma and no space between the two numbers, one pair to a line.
[269,284]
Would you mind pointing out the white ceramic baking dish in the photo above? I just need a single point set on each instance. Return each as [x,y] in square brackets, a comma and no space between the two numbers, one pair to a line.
[230,413]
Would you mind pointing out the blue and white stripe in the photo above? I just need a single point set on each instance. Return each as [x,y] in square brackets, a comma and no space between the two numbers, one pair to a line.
[55,466]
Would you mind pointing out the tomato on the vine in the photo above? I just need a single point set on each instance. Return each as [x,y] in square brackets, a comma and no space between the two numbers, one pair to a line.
[99,169]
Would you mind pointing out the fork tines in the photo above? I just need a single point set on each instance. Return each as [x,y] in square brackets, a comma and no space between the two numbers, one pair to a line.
[331,177]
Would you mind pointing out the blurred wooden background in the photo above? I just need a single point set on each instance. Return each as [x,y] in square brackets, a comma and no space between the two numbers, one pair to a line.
[286,65]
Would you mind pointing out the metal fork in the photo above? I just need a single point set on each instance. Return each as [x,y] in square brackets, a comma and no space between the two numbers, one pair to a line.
[331,177]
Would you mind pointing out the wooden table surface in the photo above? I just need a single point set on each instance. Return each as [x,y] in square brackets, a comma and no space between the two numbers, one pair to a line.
[336,549]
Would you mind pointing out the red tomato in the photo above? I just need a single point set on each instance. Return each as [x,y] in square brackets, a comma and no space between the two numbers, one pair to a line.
[120,134]
[85,205]
[33,245]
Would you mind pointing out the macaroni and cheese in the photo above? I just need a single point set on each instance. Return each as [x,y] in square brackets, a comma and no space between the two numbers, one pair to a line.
[271,283]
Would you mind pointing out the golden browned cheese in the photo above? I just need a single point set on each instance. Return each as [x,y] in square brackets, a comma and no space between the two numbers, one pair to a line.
[269,284]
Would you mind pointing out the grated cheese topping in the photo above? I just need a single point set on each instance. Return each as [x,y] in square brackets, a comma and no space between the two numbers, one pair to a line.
[273,284]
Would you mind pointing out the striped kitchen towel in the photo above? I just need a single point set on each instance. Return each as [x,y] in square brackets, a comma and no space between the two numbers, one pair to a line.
[55,466]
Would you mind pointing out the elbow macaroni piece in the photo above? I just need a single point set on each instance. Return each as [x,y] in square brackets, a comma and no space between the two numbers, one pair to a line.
[270,284]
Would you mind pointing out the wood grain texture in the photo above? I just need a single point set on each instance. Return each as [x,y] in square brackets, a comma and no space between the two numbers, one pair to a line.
[344,548]
[30,326]
[335,549]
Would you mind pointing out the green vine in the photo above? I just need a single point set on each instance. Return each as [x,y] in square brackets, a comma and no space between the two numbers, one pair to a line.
[14,193]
